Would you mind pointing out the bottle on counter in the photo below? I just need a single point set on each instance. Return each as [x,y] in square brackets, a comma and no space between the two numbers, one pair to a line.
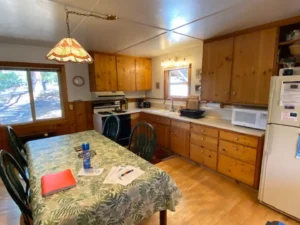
[86,155]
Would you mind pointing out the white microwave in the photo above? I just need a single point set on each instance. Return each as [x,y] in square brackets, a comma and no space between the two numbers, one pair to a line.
[252,118]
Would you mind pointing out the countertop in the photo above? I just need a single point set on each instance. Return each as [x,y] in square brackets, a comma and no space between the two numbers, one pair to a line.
[218,123]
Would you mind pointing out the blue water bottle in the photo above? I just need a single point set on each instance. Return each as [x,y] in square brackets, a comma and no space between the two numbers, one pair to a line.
[86,156]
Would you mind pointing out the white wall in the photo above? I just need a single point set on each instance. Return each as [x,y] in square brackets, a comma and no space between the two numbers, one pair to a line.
[192,55]
[31,54]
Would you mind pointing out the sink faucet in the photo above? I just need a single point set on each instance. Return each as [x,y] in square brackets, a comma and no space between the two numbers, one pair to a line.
[172,106]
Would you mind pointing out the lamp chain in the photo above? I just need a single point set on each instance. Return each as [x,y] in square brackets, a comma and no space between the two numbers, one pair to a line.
[106,17]
[67,21]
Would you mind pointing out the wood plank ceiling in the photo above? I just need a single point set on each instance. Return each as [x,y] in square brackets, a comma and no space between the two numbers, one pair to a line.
[145,28]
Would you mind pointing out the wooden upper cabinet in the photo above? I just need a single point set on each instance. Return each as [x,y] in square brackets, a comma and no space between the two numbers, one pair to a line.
[217,66]
[254,57]
[126,73]
[103,73]
[143,74]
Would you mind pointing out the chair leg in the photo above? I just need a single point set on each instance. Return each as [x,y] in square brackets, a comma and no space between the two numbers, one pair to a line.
[163,217]
[24,222]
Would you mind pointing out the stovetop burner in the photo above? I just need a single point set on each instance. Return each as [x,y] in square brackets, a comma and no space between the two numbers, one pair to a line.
[105,113]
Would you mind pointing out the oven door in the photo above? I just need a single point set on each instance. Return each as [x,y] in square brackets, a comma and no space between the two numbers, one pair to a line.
[125,129]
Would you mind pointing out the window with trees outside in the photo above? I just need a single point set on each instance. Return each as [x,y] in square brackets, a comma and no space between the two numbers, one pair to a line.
[29,95]
[177,83]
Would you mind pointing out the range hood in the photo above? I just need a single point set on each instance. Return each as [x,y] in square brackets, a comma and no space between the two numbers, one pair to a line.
[108,95]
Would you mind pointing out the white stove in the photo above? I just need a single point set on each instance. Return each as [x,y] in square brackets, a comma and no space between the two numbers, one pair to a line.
[105,107]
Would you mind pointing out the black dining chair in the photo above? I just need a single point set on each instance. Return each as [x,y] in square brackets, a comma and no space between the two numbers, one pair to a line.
[10,171]
[111,127]
[143,141]
[18,147]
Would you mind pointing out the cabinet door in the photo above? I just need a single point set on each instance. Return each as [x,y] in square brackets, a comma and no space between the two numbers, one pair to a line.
[105,73]
[223,51]
[179,141]
[126,73]
[148,63]
[217,65]
[143,74]
[162,135]
[254,56]
[207,84]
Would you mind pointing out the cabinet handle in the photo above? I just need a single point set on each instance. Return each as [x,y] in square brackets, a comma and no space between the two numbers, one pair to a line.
[202,151]
[233,93]
[235,148]
[226,92]
[202,139]
[236,138]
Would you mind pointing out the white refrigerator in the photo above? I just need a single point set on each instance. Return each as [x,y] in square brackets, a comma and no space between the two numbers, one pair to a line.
[280,174]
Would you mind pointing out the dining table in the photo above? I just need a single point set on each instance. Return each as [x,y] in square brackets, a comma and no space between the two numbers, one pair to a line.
[91,201]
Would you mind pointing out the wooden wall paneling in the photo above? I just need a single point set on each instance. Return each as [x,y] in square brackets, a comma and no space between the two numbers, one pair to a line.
[126,73]
[89,115]
[71,118]
[80,113]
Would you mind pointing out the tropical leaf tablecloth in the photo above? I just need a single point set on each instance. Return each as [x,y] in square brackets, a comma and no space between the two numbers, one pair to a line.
[91,201]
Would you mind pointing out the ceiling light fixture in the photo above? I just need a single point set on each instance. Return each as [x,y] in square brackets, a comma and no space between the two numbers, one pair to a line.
[174,63]
[68,49]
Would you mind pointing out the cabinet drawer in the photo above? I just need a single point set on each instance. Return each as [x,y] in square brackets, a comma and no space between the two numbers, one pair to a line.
[236,169]
[134,116]
[203,156]
[204,141]
[199,129]
[158,119]
[180,124]
[240,152]
[239,138]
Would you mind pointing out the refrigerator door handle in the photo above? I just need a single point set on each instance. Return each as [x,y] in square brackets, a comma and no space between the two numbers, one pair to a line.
[267,141]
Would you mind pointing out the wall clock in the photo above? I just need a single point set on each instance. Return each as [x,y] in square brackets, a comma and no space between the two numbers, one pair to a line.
[78,81]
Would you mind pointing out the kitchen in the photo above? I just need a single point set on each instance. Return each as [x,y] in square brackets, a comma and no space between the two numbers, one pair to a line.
[224,70]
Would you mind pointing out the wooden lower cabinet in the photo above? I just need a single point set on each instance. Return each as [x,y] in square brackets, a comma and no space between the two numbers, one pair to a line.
[203,156]
[235,155]
[204,141]
[236,169]
[237,151]
[134,119]
[162,135]
[239,138]
[179,141]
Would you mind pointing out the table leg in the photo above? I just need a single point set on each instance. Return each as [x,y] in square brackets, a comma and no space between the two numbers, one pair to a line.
[163,217]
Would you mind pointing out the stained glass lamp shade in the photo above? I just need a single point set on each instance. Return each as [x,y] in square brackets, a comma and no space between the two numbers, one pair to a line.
[69,50]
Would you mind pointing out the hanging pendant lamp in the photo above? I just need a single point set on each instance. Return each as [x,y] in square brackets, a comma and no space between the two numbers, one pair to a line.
[68,49]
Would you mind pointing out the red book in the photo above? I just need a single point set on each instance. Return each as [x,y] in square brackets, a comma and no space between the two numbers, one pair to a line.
[56,182]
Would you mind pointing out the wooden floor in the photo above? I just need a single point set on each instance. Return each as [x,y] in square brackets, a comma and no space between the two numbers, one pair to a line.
[208,198]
